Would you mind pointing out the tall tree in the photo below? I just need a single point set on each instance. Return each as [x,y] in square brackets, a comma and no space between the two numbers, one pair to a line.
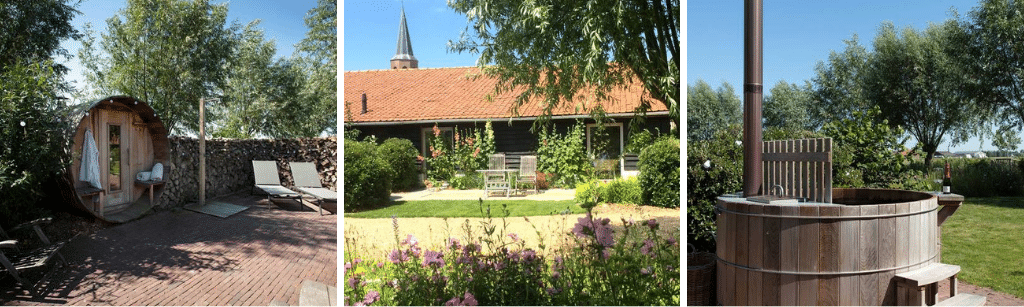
[788,107]
[257,89]
[169,53]
[31,32]
[554,49]
[708,111]
[1006,139]
[995,43]
[838,89]
[918,82]
[315,110]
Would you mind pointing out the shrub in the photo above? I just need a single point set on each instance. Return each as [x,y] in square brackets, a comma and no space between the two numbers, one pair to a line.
[565,156]
[34,140]
[984,177]
[401,156]
[714,167]
[588,194]
[622,191]
[659,173]
[472,180]
[368,177]
[467,151]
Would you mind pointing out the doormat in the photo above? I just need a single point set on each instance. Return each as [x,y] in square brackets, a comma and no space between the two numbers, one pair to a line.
[216,208]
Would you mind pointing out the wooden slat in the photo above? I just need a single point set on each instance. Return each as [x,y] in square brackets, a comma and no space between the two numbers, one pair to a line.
[828,260]
[756,256]
[849,257]
[802,167]
[915,233]
[794,156]
[902,235]
[790,248]
[869,256]
[964,299]
[933,273]
[772,231]
[887,254]
[741,228]
[809,237]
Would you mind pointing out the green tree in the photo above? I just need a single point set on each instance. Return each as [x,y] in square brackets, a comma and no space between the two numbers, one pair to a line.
[788,107]
[555,49]
[257,88]
[1006,139]
[838,89]
[868,151]
[918,82]
[708,111]
[31,32]
[995,44]
[318,63]
[169,53]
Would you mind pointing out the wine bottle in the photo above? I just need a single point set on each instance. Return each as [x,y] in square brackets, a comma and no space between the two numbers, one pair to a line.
[947,182]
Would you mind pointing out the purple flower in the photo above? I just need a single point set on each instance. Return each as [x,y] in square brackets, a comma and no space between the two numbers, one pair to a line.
[410,240]
[371,297]
[432,258]
[597,229]
[397,256]
[380,265]
[553,291]
[348,265]
[455,301]
[357,261]
[353,282]
[469,300]
[653,224]
[648,248]
[607,253]
[671,241]
[529,255]
[453,243]
[472,248]
[559,261]
[514,236]
[556,275]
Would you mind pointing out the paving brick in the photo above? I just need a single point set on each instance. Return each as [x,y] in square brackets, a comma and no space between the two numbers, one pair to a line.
[255,257]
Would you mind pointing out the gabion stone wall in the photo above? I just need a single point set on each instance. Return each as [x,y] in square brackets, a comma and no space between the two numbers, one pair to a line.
[229,165]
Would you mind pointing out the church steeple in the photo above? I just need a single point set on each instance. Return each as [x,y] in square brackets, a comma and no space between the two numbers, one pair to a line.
[403,58]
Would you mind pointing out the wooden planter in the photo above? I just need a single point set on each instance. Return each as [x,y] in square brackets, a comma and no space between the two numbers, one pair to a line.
[840,253]
[130,139]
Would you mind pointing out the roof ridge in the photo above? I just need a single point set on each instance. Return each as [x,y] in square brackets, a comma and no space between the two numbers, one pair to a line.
[428,68]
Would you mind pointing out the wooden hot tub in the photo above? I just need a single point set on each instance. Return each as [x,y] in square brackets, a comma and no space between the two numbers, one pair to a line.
[840,253]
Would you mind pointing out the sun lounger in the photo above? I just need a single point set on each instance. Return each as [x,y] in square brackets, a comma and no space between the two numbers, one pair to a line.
[267,180]
[307,180]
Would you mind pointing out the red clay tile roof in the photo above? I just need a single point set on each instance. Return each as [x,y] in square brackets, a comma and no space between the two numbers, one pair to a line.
[449,93]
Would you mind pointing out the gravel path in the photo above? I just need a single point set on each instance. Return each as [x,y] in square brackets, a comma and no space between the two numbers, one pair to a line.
[373,238]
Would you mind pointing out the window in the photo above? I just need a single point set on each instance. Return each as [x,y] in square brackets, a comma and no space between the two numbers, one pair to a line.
[428,133]
[114,143]
[605,141]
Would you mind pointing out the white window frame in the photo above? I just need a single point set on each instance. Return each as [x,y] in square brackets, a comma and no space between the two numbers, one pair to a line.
[423,138]
[622,132]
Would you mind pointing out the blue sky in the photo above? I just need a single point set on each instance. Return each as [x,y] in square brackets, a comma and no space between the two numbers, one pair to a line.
[797,35]
[371,33]
[282,21]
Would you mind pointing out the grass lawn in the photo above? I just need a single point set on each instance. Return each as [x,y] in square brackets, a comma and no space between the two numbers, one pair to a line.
[986,239]
[468,208]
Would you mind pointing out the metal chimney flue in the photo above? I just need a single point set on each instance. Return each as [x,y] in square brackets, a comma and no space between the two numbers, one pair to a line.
[752,94]
[364,104]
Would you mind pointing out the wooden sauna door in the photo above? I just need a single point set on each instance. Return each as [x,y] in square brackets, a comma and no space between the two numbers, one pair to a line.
[115,161]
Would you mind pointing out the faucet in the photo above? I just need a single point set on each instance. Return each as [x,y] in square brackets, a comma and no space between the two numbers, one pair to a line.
[782,190]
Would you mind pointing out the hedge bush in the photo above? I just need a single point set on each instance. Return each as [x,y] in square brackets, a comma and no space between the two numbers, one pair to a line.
[368,177]
[622,191]
[659,173]
[401,156]
[565,156]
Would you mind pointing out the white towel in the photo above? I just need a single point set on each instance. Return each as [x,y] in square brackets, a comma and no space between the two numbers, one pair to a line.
[90,170]
[157,174]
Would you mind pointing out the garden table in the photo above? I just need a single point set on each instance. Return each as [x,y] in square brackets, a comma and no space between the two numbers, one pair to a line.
[497,180]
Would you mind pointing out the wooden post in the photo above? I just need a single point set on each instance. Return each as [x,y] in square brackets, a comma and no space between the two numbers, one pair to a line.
[202,151]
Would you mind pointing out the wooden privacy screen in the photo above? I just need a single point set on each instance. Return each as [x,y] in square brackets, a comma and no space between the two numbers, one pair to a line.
[802,167]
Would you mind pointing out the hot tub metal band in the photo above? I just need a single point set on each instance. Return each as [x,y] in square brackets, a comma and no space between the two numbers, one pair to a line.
[825,273]
[720,210]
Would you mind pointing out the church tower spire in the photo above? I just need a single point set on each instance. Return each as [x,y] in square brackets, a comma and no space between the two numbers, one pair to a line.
[403,58]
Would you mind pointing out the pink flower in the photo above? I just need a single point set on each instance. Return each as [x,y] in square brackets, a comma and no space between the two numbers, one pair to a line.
[515,237]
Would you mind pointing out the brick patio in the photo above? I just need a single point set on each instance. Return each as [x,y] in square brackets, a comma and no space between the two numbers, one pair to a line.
[180,257]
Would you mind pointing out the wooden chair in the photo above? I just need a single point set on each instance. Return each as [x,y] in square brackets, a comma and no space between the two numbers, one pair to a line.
[802,168]
[495,176]
[528,172]
[16,262]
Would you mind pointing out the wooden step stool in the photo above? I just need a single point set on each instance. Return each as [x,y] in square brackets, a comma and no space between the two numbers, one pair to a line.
[920,287]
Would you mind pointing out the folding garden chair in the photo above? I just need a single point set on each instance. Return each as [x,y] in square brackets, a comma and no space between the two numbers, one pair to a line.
[307,180]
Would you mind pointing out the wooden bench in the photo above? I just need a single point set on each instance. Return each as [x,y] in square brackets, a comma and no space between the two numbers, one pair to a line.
[920,287]
[91,191]
[803,168]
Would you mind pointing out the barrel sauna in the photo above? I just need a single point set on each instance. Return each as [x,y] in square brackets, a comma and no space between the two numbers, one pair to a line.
[840,253]
[129,138]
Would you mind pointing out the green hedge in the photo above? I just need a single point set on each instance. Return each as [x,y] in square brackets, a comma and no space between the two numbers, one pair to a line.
[659,173]
[368,177]
[401,156]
